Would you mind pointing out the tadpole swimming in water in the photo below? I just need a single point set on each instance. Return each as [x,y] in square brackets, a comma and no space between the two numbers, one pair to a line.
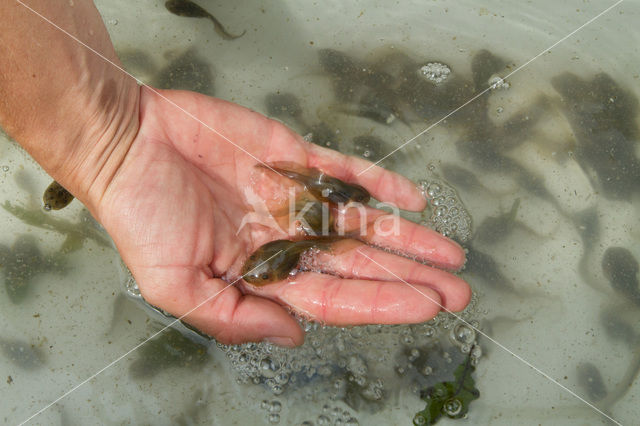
[22,354]
[21,263]
[494,228]
[370,147]
[321,185]
[461,178]
[169,349]
[602,117]
[283,104]
[186,72]
[617,328]
[483,65]
[590,379]
[372,106]
[189,9]
[621,269]
[485,267]
[343,70]
[324,135]
[286,106]
[56,197]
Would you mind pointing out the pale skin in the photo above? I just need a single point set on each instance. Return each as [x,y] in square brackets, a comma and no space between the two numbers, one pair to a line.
[172,193]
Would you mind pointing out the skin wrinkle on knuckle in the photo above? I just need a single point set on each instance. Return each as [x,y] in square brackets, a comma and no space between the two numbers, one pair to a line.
[375,305]
[335,288]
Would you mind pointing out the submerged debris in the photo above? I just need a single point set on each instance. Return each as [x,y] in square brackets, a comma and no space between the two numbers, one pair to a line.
[450,399]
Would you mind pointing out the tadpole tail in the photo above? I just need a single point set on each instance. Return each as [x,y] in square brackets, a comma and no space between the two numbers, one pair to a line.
[222,32]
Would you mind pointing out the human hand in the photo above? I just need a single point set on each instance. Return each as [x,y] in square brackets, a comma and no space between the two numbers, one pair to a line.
[176,201]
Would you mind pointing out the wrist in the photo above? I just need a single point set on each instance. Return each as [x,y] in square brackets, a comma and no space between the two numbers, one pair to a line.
[99,139]
[73,111]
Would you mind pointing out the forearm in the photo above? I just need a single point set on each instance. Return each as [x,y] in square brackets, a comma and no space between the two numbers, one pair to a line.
[74,112]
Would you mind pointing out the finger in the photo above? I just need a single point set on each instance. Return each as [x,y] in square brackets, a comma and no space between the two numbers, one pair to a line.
[382,184]
[353,259]
[336,301]
[220,310]
[395,233]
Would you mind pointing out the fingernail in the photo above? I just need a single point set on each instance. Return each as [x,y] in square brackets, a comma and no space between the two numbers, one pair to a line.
[281,341]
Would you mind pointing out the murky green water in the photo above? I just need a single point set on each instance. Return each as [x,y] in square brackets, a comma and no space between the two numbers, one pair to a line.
[546,167]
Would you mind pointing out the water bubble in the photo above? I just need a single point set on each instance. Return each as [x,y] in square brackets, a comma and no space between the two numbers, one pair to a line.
[323,420]
[452,407]
[438,393]
[463,334]
[282,378]
[440,211]
[419,420]
[269,368]
[433,190]
[438,219]
[366,154]
[427,370]
[274,418]
[414,354]
[275,407]
[497,82]
[476,352]
[408,339]
[356,365]
[356,332]
[435,72]
[264,404]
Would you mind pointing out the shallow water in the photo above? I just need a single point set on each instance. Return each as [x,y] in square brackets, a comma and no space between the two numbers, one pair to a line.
[522,163]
